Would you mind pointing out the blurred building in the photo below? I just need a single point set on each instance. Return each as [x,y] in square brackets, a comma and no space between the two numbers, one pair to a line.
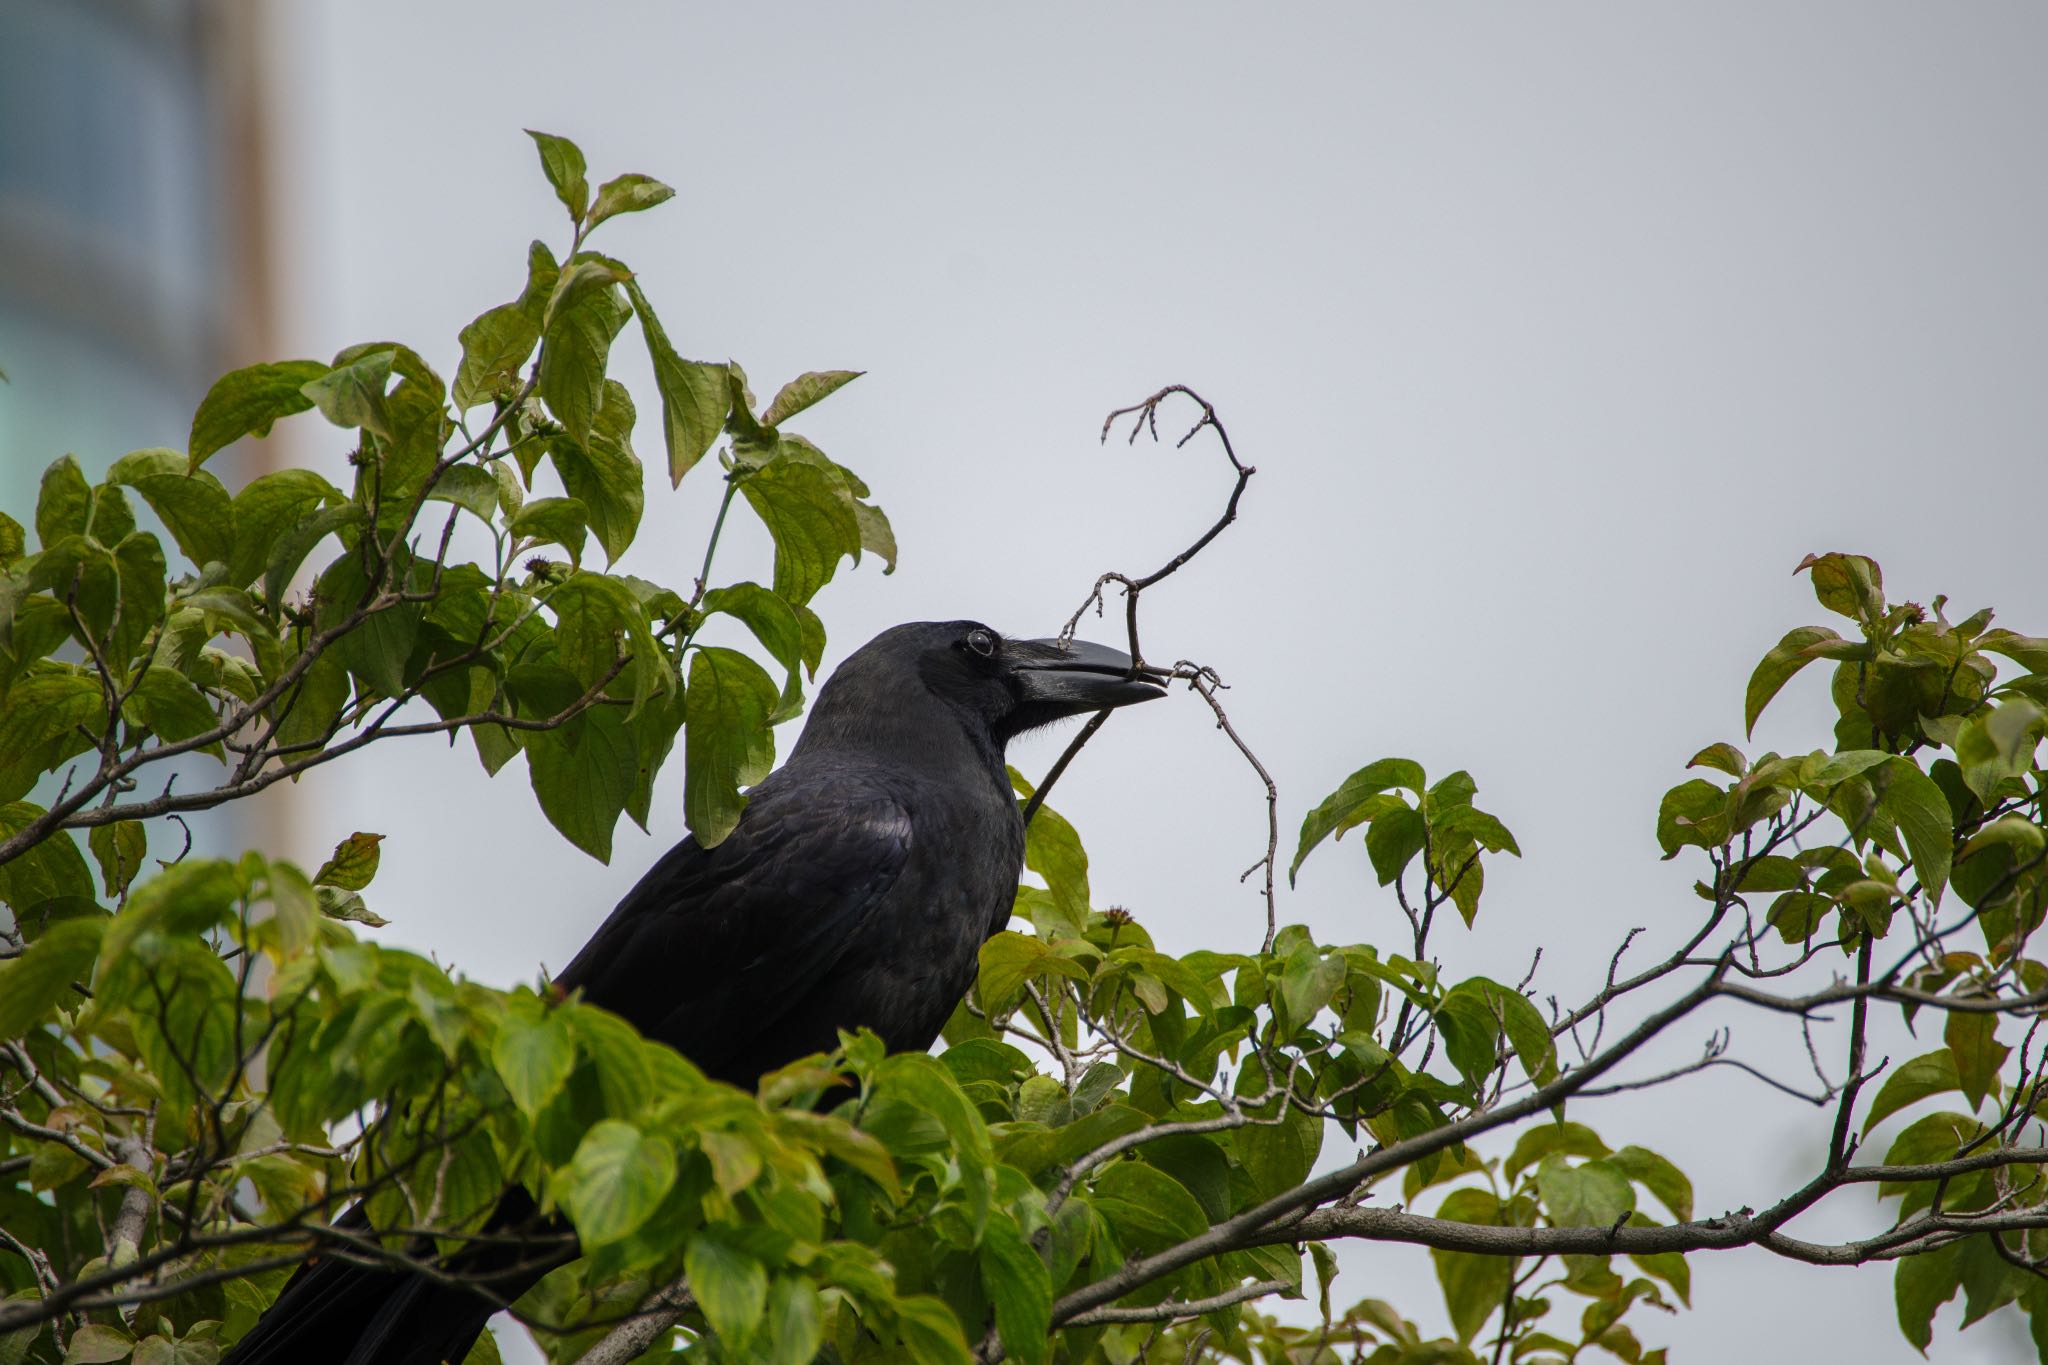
[133,246]
[132,241]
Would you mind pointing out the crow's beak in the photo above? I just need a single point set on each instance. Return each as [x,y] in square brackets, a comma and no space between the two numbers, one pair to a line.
[1072,676]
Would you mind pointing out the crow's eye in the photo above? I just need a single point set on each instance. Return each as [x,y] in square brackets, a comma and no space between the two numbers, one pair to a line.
[981,642]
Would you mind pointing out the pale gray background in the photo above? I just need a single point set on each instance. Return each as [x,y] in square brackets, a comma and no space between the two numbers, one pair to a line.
[1558,335]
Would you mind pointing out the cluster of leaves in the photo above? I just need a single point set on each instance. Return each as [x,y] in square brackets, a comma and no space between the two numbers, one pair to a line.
[1195,1093]
[1936,780]
[1119,1152]
[448,589]
[146,1096]
[107,649]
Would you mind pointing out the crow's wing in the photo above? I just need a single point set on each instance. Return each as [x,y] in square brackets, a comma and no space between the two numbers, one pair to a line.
[715,944]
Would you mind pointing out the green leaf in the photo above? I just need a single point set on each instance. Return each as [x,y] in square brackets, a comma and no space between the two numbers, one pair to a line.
[354,863]
[377,647]
[40,979]
[469,487]
[930,1333]
[1693,812]
[164,702]
[615,1183]
[1308,980]
[139,560]
[48,718]
[1474,1286]
[654,732]
[2029,652]
[190,502]
[1973,1043]
[553,521]
[322,690]
[562,162]
[1017,1282]
[1352,803]
[1785,658]
[921,1081]
[877,537]
[497,343]
[1393,839]
[1722,756]
[1008,960]
[296,908]
[731,1288]
[804,390]
[230,609]
[1928,1139]
[1912,799]
[1990,1282]
[1931,1074]
[727,743]
[336,903]
[1668,1266]
[1278,1156]
[1052,849]
[1996,746]
[1657,1175]
[1344,807]
[628,193]
[13,540]
[51,870]
[1464,822]
[119,848]
[245,402]
[809,512]
[1769,872]
[93,1344]
[584,315]
[533,1055]
[1477,1012]
[583,773]
[598,619]
[2019,836]
[111,518]
[1591,1194]
[773,621]
[793,1326]
[296,541]
[64,507]
[1848,585]
[1146,1208]
[695,395]
[353,394]
[606,477]
[1922,1284]
[1471,1035]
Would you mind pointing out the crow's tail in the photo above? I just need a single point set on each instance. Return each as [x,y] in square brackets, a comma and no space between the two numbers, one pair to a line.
[337,1312]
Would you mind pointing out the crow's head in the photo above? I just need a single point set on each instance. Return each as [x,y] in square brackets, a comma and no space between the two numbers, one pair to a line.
[1001,686]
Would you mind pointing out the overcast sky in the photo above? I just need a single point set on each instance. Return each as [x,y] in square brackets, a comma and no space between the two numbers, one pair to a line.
[1558,336]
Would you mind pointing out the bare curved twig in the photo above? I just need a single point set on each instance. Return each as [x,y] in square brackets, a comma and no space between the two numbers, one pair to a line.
[1202,680]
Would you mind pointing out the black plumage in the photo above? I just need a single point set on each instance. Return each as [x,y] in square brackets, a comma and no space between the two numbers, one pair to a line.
[856,891]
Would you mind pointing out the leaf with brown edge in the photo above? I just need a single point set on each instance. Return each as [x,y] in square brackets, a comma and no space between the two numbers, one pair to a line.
[354,863]
[804,391]
[1849,585]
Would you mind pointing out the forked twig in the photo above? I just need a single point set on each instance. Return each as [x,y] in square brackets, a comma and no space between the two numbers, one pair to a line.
[1202,680]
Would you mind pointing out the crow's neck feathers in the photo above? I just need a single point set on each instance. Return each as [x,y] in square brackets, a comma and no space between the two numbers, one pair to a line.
[890,716]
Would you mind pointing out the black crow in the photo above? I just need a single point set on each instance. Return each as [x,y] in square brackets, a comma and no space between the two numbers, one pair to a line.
[856,891]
